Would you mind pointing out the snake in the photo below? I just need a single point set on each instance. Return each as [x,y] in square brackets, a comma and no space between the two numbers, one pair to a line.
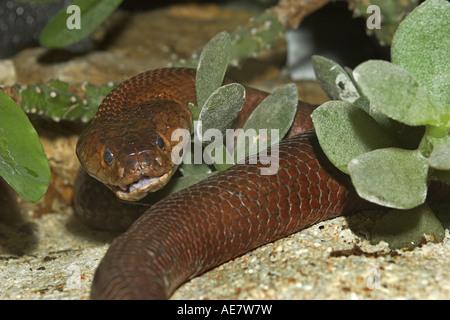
[127,148]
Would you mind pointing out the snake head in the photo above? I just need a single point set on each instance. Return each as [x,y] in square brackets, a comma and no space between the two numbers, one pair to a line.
[131,153]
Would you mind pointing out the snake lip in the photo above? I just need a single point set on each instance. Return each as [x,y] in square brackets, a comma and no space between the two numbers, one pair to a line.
[141,187]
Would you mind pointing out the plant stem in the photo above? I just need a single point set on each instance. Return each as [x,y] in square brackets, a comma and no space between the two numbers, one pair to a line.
[263,30]
[432,133]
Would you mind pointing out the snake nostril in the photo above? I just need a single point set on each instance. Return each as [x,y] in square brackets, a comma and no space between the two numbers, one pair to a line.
[129,162]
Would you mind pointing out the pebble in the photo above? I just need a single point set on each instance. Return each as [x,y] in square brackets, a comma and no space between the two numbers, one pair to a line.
[8,75]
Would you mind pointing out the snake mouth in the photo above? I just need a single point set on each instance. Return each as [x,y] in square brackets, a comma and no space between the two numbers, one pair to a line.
[139,189]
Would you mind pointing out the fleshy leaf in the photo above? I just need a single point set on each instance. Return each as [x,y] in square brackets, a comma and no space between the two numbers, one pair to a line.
[212,66]
[56,100]
[56,34]
[391,177]
[262,31]
[191,169]
[195,111]
[221,108]
[52,99]
[440,156]
[227,160]
[276,112]
[334,80]
[179,183]
[193,162]
[174,185]
[23,163]
[94,96]
[345,131]
[421,45]
[392,91]
[390,15]
[339,84]
[406,228]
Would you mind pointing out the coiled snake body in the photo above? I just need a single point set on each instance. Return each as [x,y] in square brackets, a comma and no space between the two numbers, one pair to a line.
[126,147]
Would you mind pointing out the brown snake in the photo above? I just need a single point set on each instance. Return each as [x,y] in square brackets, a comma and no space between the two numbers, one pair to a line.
[218,219]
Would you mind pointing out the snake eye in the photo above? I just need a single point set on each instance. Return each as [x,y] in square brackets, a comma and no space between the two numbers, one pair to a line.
[108,156]
[160,143]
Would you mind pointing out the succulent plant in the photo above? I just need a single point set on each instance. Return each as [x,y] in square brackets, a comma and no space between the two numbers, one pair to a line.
[389,123]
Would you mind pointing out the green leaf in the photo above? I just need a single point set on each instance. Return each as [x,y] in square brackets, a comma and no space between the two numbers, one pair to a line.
[179,183]
[192,166]
[391,177]
[392,91]
[94,96]
[212,66]
[23,163]
[391,14]
[222,108]
[55,100]
[192,169]
[261,32]
[174,185]
[407,136]
[227,160]
[52,99]
[406,228]
[440,156]
[421,46]
[334,80]
[195,111]
[339,84]
[345,132]
[276,112]
[56,34]
[218,114]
